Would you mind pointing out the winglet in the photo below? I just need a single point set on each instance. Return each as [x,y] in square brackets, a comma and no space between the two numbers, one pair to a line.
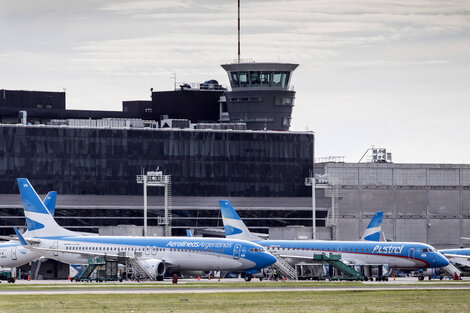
[20,237]
[188,233]
[50,201]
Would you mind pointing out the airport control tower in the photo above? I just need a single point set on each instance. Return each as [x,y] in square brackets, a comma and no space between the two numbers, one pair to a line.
[261,95]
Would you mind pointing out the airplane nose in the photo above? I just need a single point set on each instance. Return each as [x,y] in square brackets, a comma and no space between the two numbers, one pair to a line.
[267,260]
[443,260]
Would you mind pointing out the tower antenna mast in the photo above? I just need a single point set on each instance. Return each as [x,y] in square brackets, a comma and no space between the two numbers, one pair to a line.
[238,31]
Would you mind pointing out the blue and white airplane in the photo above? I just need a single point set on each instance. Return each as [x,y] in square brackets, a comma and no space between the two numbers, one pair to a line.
[156,255]
[12,253]
[459,257]
[404,255]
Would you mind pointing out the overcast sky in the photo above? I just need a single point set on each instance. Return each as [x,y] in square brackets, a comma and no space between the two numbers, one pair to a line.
[388,73]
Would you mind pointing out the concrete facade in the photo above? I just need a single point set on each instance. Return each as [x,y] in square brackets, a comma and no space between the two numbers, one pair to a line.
[421,202]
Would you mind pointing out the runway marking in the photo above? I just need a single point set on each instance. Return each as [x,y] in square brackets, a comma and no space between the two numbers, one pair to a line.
[220,290]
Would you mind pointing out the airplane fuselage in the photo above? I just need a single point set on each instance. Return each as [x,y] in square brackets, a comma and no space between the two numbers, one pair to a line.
[403,255]
[179,253]
[12,254]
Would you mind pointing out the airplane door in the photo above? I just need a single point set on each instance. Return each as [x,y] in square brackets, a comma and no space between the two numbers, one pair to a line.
[55,245]
[236,251]
[154,250]
[13,253]
[147,250]
[411,253]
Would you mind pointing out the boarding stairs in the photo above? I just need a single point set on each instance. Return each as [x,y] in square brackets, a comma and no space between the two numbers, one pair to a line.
[139,269]
[284,269]
[335,261]
[35,266]
[93,263]
[451,269]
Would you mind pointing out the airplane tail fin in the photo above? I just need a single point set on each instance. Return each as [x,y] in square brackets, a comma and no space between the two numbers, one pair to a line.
[38,218]
[233,225]
[374,229]
[50,200]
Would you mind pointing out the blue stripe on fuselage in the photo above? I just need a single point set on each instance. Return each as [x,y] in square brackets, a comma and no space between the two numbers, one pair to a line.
[389,249]
[190,243]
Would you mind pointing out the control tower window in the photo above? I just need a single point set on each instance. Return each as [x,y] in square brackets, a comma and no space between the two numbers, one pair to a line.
[280,79]
[265,78]
[243,79]
[255,79]
[235,81]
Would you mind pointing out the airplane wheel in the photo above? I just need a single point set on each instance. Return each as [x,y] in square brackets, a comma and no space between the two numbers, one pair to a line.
[247,278]
[11,280]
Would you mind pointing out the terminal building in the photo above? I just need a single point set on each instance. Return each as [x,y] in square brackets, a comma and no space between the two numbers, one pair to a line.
[215,143]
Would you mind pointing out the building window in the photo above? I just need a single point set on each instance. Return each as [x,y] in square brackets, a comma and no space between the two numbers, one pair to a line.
[148,110]
[48,106]
[284,101]
[286,121]
[39,106]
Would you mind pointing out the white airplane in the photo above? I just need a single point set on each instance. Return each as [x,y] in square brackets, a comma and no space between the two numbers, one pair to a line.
[12,253]
[404,255]
[155,255]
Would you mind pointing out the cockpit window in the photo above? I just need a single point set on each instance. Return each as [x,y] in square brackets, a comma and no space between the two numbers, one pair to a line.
[256,250]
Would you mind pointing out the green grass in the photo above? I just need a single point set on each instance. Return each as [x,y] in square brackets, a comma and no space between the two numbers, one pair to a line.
[308,301]
[213,284]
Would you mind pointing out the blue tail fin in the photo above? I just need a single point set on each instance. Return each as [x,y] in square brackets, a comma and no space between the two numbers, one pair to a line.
[374,229]
[38,218]
[233,225]
[50,200]
[188,233]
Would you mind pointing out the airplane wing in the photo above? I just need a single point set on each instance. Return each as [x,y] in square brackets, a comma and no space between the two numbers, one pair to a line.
[25,242]
[16,239]
[451,256]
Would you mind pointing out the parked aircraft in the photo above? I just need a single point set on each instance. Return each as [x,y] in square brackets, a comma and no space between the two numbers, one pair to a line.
[12,253]
[154,255]
[404,255]
[458,257]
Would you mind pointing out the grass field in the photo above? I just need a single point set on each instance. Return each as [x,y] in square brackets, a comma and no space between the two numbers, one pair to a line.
[308,301]
[213,284]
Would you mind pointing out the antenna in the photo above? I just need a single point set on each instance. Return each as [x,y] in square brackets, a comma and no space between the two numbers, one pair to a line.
[238,31]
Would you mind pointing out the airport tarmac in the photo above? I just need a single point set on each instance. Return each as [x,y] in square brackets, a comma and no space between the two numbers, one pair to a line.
[203,286]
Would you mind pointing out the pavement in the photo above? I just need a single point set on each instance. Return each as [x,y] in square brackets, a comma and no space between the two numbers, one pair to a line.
[24,287]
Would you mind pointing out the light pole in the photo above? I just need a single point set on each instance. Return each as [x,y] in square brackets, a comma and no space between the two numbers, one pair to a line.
[157,179]
[310,181]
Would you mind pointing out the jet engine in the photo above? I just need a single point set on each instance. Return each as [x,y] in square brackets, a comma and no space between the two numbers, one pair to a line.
[154,266]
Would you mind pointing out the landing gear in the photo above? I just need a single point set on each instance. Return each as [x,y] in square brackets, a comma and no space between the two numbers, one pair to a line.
[248,278]
[10,280]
